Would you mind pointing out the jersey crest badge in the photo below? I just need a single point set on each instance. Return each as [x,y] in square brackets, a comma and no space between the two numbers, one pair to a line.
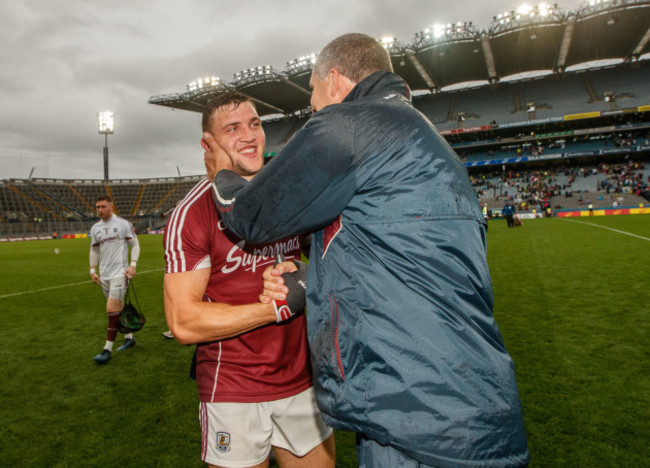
[223,442]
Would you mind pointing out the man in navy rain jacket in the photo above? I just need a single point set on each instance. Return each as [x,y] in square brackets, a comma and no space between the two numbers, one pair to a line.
[404,346]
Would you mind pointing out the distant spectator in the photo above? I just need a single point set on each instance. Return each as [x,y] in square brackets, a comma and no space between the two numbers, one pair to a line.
[509,213]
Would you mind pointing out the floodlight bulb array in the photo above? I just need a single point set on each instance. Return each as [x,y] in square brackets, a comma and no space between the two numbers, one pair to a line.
[106,122]
[526,12]
[207,82]
[438,31]
[253,72]
[388,42]
[301,62]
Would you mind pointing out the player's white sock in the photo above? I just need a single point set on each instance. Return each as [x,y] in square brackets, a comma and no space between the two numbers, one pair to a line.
[109,345]
[128,336]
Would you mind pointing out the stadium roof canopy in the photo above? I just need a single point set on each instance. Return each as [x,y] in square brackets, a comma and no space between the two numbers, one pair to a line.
[527,40]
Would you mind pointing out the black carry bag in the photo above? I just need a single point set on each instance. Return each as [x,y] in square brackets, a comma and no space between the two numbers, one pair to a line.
[131,319]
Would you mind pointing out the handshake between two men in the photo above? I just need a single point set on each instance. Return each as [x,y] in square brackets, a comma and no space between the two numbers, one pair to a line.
[285,285]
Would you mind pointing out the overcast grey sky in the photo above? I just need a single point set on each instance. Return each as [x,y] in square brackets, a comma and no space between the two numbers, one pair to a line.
[65,60]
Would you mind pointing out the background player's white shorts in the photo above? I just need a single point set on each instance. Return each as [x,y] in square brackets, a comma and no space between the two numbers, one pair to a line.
[241,434]
[114,287]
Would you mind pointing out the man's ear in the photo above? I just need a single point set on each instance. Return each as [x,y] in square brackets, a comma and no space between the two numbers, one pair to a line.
[340,85]
[333,81]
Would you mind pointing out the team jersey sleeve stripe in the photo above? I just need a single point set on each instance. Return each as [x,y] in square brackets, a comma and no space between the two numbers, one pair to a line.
[172,248]
[174,253]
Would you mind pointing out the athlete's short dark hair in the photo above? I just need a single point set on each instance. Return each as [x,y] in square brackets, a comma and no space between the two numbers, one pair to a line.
[229,98]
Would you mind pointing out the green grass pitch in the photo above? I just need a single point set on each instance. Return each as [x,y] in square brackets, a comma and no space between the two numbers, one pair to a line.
[571,298]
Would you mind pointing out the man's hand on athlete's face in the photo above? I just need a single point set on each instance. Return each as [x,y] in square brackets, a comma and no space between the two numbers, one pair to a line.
[210,161]
[215,157]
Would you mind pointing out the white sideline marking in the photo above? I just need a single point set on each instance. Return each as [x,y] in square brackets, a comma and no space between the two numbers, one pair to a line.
[608,228]
[66,285]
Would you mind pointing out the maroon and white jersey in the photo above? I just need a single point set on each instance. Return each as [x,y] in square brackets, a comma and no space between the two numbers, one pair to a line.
[265,364]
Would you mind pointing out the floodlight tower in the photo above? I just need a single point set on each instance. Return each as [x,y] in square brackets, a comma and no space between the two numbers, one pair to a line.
[106,125]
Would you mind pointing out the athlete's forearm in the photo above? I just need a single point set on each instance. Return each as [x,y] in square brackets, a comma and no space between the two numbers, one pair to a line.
[194,321]
[135,249]
[209,321]
[94,256]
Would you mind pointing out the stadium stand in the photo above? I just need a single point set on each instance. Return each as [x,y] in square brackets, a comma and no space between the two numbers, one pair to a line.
[45,206]
[628,89]
[278,132]
[439,108]
[566,186]
[557,95]
[479,107]
[549,95]
[551,145]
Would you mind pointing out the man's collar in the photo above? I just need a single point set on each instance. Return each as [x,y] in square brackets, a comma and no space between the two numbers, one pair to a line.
[379,83]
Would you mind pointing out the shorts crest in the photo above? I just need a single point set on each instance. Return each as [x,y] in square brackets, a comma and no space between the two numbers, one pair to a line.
[223,442]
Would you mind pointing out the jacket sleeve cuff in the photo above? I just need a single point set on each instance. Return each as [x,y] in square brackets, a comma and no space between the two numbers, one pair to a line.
[225,187]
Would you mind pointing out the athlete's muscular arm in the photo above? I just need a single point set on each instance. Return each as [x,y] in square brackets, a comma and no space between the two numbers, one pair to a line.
[194,321]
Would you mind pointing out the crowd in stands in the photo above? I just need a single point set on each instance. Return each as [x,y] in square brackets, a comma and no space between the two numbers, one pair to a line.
[559,145]
[526,189]
[625,177]
[534,189]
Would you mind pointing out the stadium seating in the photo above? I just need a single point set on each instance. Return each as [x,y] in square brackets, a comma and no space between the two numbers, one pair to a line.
[278,132]
[554,96]
[45,206]
[566,147]
[629,86]
[572,187]
[437,107]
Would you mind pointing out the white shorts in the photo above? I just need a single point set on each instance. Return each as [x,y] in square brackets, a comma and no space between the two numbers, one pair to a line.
[241,434]
[114,288]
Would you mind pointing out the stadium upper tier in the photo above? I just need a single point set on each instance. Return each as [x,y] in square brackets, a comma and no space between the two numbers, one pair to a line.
[551,100]
[623,88]
[515,42]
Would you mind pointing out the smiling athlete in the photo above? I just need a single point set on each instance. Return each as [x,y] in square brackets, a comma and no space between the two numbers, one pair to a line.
[253,372]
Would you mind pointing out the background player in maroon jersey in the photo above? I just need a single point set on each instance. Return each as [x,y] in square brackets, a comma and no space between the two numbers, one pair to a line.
[253,372]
